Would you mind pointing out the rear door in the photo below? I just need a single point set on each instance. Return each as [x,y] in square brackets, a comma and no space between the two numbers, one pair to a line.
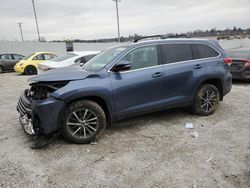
[138,90]
[7,61]
[181,71]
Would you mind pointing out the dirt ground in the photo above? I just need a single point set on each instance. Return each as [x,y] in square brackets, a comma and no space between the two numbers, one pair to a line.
[148,151]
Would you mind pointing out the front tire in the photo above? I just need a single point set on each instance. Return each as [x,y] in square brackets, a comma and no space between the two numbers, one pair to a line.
[84,121]
[206,100]
[1,69]
[30,70]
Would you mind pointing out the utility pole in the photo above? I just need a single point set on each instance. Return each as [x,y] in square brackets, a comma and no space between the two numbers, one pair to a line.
[36,21]
[20,27]
[117,17]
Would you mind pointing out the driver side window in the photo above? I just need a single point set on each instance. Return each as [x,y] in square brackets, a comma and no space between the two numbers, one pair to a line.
[39,57]
[142,57]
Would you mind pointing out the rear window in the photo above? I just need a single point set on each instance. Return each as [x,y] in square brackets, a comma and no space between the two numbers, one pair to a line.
[205,51]
[176,52]
[241,54]
[89,57]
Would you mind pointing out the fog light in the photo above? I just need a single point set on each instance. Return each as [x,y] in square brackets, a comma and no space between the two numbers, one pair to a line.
[27,124]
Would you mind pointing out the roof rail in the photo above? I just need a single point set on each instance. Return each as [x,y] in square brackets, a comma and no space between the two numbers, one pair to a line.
[151,36]
[162,37]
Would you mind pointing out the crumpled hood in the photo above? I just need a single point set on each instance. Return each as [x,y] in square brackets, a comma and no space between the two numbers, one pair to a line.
[61,74]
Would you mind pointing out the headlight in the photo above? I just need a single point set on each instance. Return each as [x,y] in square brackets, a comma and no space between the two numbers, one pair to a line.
[44,67]
[44,90]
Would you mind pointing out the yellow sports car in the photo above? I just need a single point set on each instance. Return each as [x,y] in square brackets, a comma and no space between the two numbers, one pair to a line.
[29,64]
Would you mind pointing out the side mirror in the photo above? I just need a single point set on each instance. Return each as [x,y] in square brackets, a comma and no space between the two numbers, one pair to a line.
[121,66]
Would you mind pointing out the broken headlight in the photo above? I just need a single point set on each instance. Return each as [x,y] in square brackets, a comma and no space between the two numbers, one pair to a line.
[42,90]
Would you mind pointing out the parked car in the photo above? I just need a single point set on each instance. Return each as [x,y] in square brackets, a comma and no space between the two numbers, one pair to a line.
[29,65]
[8,61]
[69,59]
[126,81]
[240,67]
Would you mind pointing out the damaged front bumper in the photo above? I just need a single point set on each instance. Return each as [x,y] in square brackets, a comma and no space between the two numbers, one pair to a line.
[39,116]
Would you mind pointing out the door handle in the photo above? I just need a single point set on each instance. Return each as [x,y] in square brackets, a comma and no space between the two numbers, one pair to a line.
[157,74]
[198,66]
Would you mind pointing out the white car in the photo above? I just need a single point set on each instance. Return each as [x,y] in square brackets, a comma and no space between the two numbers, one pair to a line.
[69,59]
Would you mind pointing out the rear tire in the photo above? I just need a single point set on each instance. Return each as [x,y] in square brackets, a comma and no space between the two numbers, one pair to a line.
[30,70]
[1,69]
[206,100]
[84,121]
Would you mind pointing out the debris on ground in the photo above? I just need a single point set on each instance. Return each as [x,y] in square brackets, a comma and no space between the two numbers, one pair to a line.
[102,157]
[210,159]
[194,134]
[189,126]
[93,143]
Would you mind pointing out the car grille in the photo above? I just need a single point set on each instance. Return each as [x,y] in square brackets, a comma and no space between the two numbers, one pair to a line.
[21,107]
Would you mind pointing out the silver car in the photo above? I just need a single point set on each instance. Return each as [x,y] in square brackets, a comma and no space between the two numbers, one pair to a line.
[8,61]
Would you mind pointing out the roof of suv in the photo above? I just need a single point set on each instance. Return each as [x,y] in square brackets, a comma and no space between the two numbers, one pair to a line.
[212,42]
[174,40]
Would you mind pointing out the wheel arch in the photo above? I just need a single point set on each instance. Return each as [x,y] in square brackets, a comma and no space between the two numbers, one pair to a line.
[214,81]
[2,66]
[95,98]
[29,65]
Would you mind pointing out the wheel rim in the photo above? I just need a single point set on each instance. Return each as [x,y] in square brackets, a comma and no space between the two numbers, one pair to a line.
[208,100]
[30,70]
[82,123]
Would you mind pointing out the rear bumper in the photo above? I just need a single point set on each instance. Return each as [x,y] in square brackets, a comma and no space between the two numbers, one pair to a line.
[44,114]
[243,74]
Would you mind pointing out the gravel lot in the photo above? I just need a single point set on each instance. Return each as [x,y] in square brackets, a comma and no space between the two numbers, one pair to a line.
[148,151]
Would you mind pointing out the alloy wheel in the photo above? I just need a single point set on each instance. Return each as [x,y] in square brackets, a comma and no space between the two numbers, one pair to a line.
[208,100]
[82,123]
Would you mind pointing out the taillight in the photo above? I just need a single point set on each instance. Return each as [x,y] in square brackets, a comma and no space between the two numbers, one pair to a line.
[247,64]
[228,61]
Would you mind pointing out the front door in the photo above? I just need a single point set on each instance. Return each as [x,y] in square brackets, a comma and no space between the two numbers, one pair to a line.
[138,90]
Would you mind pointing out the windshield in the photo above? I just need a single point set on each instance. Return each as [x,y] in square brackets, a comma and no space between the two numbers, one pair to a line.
[239,54]
[27,57]
[64,57]
[102,59]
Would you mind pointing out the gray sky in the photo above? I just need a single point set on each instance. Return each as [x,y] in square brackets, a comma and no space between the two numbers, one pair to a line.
[91,19]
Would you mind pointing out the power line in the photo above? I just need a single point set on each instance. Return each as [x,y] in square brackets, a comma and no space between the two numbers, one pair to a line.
[20,27]
[39,39]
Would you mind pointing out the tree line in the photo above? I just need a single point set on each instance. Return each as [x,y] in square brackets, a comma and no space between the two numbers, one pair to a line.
[219,34]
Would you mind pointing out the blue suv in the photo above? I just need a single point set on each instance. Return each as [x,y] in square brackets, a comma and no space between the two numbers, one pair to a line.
[126,81]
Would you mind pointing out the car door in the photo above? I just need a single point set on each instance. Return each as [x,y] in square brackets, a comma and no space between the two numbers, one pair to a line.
[138,90]
[7,61]
[38,59]
[180,68]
